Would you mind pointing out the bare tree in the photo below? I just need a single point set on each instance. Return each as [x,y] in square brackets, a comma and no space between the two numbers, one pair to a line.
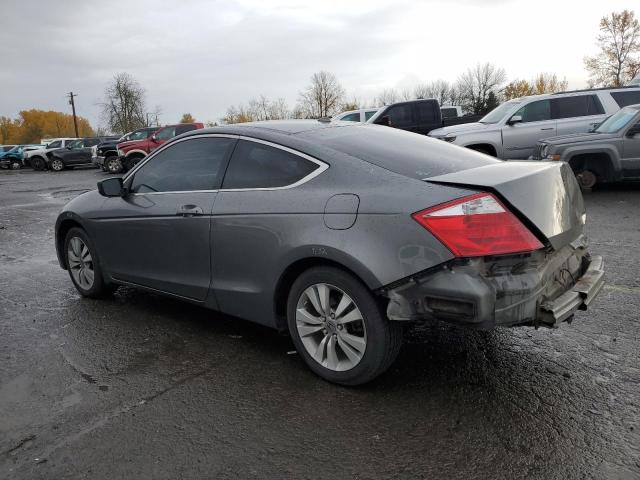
[124,106]
[422,90]
[407,94]
[386,97]
[476,84]
[619,43]
[258,109]
[322,98]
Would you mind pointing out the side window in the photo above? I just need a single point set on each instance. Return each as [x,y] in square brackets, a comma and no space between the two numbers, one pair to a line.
[369,114]
[594,106]
[184,128]
[400,115]
[255,165]
[535,111]
[55,144]
[166,133]
[426,111]
[194,164]
[90,142]
[626,98]
[570,107]
[352,117]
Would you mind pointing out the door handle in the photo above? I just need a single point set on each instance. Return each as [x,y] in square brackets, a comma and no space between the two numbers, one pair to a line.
[550,128]
[189,210]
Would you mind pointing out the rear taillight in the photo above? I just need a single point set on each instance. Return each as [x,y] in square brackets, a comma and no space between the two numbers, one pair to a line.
[477,225]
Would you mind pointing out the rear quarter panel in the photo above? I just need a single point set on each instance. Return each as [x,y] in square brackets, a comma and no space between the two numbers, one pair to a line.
[257,235]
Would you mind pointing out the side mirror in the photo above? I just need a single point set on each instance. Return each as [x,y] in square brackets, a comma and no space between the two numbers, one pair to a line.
[385,120]
[633,132]
[154,138]
[515,119]
[111,187]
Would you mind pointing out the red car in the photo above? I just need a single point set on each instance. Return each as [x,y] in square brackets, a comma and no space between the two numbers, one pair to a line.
[130,153]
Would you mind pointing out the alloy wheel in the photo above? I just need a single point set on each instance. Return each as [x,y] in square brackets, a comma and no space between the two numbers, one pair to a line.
[57,165]
[331,327]
[587,179]
[80,263]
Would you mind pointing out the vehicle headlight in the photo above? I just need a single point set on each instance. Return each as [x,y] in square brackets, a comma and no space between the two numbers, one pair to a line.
[545,149]
[449,139]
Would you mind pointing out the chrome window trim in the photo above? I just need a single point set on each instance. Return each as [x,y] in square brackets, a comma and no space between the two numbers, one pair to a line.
[322,166]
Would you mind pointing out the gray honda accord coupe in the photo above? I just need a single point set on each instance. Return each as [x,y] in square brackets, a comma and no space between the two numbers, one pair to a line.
[339,233]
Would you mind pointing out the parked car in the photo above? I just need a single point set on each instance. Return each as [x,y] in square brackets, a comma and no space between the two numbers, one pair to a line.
[418,116]
[340,234]
[37,159]
[74,154]
[512,130]
[361,115]
[105,154]
[12,158]
[609,154]
[131,152]
[6,148]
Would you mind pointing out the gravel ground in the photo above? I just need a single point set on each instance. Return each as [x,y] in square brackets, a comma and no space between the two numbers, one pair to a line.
[142,386]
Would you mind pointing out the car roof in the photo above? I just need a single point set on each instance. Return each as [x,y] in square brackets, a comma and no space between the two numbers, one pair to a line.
[574,93]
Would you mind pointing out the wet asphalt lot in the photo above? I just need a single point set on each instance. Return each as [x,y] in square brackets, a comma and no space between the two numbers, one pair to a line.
[141,386]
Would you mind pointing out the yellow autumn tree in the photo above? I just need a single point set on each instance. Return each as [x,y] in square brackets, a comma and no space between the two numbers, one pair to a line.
[33,125]
[187,118]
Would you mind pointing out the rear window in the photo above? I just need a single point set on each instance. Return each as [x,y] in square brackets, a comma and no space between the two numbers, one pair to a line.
[402,152]
[427,111]
[624,99]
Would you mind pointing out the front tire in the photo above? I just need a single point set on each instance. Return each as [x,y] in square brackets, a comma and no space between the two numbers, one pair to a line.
[38,163]
[339,328]
[112,165]
[84,266]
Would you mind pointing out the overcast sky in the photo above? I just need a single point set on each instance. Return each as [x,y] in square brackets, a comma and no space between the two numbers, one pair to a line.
[202,56]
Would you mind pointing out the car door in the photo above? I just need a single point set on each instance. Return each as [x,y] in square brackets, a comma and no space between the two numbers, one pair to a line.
[158,234]
[631,152]
[519,139]
[253,213]
[576,113]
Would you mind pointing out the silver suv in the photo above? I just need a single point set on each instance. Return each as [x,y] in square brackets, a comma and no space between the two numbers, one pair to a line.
[512,130]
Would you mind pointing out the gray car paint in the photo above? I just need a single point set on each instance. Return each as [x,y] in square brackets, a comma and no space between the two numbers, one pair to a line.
[256,235]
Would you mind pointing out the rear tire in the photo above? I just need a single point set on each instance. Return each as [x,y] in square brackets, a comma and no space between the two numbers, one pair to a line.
[83,265]
[56,165]
[348,345]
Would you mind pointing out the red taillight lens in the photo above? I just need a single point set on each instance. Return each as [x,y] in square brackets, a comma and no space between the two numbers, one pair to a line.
[477,225]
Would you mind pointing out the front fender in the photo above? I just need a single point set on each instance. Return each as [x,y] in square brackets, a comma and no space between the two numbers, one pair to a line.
[610,150]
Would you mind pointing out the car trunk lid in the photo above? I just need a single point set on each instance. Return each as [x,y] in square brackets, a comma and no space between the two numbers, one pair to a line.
[546,195]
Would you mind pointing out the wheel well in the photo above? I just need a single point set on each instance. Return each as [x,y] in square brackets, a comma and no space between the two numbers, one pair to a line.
[64,228]
[135,155]
[290,275]
[484,148]
[598,163]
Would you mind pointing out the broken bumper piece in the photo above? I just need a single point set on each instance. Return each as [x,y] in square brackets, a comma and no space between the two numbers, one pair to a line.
[539,289]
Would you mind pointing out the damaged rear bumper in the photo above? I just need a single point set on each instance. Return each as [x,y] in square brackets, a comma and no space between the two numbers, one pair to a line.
[539,289]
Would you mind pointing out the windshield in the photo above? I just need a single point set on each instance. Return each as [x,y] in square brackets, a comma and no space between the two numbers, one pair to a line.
[498,113]
[617,121]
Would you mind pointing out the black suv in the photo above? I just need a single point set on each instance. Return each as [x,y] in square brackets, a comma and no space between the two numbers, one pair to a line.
[76,153]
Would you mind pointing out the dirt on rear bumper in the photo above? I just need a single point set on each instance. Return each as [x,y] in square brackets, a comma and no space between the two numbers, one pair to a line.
[540,289]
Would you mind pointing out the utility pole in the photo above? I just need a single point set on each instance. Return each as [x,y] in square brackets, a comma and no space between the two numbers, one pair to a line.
[73,108]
